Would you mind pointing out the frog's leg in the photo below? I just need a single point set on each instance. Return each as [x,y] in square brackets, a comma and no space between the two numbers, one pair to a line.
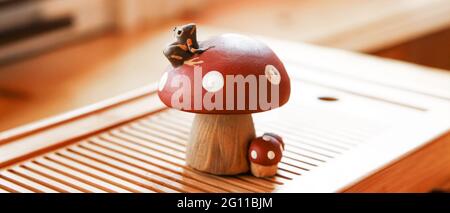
[195,50]
[200,50]
[193,62]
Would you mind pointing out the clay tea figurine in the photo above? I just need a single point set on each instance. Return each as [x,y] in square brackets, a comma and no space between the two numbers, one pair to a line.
[265,153]
[233,77]
[183,49]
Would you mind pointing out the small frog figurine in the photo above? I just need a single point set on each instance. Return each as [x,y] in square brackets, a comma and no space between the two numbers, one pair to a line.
[182,51]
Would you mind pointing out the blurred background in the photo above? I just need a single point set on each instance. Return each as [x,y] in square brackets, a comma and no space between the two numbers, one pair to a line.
[59,55]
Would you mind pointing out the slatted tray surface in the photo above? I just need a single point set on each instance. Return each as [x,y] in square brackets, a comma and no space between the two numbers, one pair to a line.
[147,155]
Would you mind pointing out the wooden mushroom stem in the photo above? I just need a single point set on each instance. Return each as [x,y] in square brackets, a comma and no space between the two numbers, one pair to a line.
[219,144]
[264,171]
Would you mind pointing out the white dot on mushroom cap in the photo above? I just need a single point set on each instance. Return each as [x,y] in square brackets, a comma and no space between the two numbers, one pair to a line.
[162,81]
[266,137]
[272,74]
[253,154]
[213,81]
[271,155]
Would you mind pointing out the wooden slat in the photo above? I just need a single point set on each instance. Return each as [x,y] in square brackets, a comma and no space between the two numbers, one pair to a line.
[106,158]
[10,186]
[147,132]
[43,180]
[140,141]
[63,178]
[25,182]
[79,175]
[113,177]
[102,161]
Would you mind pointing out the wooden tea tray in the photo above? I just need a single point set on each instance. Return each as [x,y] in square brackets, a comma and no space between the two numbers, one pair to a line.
[354,123]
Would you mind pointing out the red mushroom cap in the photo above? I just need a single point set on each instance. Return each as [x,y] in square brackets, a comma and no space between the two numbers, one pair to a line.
[229,55]
[266,151]
[277,137]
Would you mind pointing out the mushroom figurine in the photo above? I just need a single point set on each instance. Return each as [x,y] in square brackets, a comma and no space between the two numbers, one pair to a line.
[223,80]
[265,153]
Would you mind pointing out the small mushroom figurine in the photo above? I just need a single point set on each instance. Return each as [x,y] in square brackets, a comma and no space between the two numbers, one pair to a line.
[223,80]
[265,153]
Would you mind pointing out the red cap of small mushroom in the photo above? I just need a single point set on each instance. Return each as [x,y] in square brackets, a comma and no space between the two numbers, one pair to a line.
[277,137]
[265,150]
[229,55]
